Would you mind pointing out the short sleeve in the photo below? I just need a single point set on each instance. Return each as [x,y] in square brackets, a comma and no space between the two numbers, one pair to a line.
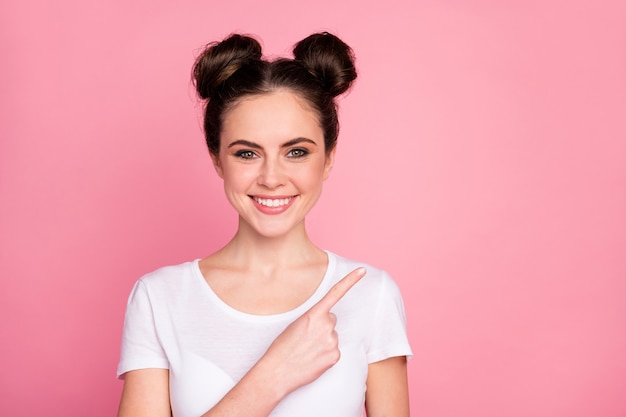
[388,336]
[141,347]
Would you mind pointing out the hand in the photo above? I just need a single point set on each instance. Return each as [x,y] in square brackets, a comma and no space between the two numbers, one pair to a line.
[309,346]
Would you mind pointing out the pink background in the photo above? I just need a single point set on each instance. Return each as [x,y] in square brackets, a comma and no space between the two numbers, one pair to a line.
[482,161]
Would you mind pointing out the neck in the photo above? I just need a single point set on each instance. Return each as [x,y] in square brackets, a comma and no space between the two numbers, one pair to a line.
[254,251]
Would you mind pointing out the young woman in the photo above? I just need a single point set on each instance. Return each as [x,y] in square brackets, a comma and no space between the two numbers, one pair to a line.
[270,325]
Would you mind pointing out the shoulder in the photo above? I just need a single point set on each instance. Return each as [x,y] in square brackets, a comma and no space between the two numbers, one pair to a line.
[374,309]
[168,279]
[169,272]
[342,266]
[375,283]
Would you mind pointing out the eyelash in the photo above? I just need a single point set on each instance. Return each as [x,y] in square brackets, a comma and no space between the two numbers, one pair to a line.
[301,151]
[247,154]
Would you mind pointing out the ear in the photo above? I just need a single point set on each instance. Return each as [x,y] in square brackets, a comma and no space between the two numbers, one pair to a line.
[217,164]
[330,160]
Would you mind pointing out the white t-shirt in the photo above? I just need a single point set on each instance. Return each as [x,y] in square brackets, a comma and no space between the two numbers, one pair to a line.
[175,321]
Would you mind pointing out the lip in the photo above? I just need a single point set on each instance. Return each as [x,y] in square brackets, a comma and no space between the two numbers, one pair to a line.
[275,209]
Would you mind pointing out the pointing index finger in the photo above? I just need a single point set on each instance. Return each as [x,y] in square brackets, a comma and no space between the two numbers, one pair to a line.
[340,289]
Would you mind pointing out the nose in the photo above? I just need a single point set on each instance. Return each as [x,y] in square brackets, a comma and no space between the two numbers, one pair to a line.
[271,175]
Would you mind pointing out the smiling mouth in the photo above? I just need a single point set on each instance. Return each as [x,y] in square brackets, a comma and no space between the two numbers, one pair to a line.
[272,202]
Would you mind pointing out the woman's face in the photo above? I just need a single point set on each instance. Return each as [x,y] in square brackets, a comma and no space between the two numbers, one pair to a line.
[273,162]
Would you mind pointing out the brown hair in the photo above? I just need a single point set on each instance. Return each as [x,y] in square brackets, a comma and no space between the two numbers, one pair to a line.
[227,71]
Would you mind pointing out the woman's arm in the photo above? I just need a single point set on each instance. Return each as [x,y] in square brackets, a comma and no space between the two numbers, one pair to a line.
[145,394]
[387,392]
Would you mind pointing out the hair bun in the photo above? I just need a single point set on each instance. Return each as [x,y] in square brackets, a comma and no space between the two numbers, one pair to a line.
[329,59]
[220,60]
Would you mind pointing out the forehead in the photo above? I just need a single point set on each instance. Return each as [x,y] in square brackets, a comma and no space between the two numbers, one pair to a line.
[277,116]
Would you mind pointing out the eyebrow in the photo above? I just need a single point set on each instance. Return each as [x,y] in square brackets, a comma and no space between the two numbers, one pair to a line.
[287,144]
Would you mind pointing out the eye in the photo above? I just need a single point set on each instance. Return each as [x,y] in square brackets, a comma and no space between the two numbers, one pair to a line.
[244,154]
[297,153]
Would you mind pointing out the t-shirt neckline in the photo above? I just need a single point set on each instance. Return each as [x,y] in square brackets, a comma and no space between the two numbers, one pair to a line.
[319,292]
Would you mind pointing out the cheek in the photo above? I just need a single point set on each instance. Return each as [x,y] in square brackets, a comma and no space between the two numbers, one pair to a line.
[312,178]
[232,177]
[238,179]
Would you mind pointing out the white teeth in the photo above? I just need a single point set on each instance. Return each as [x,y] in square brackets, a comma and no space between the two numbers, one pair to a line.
[272,202]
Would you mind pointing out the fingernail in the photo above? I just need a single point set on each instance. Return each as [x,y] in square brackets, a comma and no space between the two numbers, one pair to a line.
[361,271]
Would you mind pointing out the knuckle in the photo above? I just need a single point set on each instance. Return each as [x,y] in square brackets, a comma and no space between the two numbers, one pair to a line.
[331,341]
